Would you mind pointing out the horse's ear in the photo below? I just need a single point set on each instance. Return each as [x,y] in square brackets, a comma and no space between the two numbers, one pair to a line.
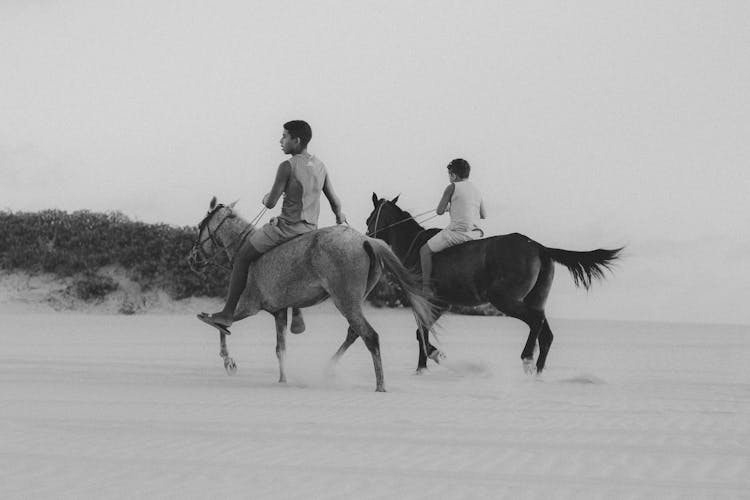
[212,205]
[374,199]
[394,200]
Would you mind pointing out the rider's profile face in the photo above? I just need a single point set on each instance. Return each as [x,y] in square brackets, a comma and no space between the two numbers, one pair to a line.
[288,143]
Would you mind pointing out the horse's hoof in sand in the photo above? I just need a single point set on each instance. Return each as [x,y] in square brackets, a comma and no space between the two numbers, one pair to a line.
[528,366]
[298,324]
[421,371]
[380,389]
[437,356]
[230,366]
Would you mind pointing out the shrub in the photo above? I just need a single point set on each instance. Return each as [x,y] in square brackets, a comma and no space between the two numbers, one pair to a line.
[92,286]
[68,244]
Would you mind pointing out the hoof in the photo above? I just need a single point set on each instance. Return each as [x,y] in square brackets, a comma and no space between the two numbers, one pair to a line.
[421,371]
[528,366]
[380,389]
[230,366]
[437,356]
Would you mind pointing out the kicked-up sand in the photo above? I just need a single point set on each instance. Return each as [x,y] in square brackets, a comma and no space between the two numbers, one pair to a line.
[111,406]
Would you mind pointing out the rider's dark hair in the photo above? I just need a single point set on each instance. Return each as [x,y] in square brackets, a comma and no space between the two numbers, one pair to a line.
[299,129]
[460,167]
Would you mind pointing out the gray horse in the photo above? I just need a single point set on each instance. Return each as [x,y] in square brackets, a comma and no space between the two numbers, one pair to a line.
[336,262]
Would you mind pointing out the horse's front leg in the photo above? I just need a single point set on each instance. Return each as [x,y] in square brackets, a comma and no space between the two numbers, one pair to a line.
[229,365]
[281,321]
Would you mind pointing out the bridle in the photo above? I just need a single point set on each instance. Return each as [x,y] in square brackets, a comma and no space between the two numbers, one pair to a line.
[198,257]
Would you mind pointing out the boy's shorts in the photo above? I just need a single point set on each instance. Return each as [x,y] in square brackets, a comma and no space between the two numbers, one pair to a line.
[449,237]
[276,232]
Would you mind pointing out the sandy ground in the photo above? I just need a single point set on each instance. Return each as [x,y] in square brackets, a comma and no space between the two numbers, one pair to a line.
[111,406]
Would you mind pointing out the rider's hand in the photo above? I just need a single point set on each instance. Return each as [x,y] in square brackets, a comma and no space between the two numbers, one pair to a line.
[265,199]
[341,219]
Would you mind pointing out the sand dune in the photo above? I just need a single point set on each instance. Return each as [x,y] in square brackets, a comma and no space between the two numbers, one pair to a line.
[108,406]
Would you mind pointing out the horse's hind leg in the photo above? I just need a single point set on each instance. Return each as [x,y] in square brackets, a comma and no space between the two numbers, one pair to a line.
[372,341]
[535,301]
[534,320]
[281,319]
[358,325]
[351,336]
[545,341]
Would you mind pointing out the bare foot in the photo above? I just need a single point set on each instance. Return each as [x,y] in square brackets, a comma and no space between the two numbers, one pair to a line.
[220,319]
[210,321]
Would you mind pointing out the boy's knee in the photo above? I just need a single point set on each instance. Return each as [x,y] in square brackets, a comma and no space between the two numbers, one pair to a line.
[425,250]
[248,254]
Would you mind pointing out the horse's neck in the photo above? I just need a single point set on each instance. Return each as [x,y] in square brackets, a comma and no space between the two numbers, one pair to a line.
[230,233]
[404,236]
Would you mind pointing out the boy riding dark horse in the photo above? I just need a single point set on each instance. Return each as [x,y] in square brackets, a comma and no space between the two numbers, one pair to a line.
[512,272]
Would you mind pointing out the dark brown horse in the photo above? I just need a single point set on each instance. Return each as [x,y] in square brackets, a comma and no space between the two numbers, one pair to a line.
[512,272]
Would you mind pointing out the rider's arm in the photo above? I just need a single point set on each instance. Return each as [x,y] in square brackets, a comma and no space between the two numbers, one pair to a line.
[446,199]
[482,213]
[333,200]
[282,177]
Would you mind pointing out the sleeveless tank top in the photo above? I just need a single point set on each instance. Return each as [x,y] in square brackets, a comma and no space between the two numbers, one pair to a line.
[302,192]
[464,209]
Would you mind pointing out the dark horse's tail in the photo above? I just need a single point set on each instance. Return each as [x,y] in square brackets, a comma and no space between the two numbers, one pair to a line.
[381,254]
[585,266]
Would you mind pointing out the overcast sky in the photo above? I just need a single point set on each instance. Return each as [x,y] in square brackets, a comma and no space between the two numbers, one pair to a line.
[588,124]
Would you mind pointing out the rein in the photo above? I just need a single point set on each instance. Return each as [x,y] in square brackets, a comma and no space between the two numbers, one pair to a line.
[413,217]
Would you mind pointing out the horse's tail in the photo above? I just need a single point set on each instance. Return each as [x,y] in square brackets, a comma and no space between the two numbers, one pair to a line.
[380,254]
[585,266]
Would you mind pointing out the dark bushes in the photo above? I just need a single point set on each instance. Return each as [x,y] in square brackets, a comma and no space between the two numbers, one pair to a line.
[82,242]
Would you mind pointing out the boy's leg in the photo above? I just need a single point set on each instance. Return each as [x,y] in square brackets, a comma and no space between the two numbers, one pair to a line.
[236,284]
[288,232]
[425,257]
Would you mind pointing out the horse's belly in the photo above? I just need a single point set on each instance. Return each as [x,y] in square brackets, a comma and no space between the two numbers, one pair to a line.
[295,295]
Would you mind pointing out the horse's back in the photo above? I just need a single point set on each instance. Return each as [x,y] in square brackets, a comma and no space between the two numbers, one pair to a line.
[323,250]
[501,245]
[310,268]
